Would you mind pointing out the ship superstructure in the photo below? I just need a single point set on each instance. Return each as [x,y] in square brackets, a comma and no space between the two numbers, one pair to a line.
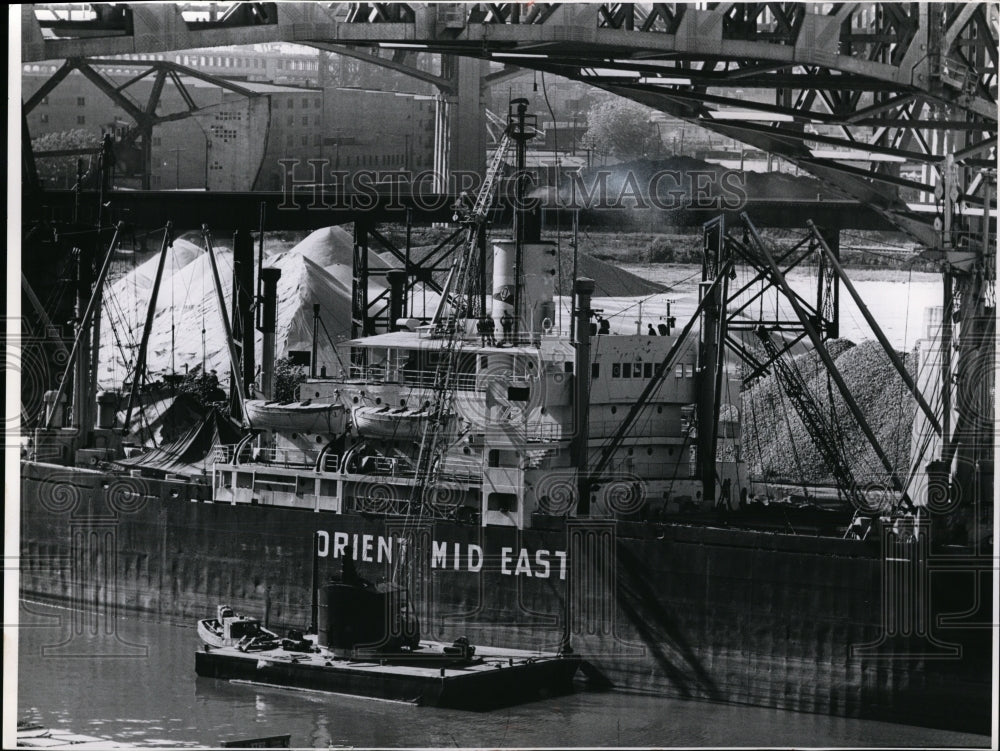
[475,414]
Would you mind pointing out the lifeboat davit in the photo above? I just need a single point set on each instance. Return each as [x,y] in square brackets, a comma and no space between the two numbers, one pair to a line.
[297,417]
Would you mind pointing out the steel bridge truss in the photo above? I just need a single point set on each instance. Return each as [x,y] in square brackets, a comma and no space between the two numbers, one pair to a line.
[822,311]
[868,97]
[815,321]
[137,137]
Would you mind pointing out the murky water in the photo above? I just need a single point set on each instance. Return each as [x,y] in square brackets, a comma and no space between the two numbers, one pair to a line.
[138,686]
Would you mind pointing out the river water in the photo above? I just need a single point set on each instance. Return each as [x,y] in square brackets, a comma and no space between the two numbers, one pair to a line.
[138,686]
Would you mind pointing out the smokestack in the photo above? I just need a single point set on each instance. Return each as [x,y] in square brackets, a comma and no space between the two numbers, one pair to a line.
[397,296]
[268,325]
[243,268]
[581,394]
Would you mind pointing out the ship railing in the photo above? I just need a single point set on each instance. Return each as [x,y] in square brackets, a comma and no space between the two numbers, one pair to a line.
[384,466]
[425,379]
[400,507]
[280,457]
[277,457]
[377,505]
[544,431]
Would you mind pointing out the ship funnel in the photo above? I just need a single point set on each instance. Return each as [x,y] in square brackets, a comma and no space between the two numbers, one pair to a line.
[584,288]
[268,324]
[55,407]
[107,408]
[397,297]
[537,287]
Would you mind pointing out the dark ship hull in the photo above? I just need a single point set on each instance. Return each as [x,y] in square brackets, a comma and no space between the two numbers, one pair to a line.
[804,623]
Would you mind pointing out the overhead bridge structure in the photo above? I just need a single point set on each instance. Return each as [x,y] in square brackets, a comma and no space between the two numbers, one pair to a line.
[851,92]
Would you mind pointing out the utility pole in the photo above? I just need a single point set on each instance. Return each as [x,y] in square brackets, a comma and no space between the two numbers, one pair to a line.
[177,166]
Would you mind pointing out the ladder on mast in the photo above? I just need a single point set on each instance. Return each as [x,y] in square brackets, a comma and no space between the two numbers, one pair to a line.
[448,325]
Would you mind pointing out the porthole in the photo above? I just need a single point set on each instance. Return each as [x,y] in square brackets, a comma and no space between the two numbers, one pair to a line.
[319,439]
[402,402]
[631,451]
[649,451]
[378,399]
[426,405]
[614,410]
[295,435]
[355,400]
[659,410]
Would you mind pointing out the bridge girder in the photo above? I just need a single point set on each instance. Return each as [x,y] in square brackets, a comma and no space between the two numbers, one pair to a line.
[900,82]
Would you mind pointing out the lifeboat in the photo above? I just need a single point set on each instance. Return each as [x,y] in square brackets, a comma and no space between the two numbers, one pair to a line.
[399,424]
[297,417]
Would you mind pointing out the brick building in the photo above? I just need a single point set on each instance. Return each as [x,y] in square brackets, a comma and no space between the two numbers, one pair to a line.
[354,128]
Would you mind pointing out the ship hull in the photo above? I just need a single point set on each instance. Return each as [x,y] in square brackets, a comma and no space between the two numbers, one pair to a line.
[721,614]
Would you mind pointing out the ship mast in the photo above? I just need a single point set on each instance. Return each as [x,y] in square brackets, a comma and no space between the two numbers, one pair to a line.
[449,322]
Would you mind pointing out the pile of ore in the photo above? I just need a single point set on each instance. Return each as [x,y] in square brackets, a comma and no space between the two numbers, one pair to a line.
[777,445]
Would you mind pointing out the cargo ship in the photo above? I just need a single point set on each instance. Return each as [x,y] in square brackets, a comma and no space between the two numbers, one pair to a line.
[532,488]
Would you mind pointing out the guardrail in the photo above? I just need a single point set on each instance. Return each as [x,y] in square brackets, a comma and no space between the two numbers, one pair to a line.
[275,457]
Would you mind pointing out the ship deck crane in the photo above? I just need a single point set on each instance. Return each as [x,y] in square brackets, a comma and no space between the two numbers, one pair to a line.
[449,326]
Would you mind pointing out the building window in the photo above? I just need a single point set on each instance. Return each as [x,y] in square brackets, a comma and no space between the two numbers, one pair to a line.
[647,370]
[595,370]
[289,141]
[305,103]
[316,103]
[316,139]
[305,140]
[81,120]
[156,141]
[626,370]
[81,101]
[305,121]
[291,119]
[291,103]
[616,370]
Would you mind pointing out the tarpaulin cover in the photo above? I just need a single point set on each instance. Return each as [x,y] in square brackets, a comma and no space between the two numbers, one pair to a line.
[192,452]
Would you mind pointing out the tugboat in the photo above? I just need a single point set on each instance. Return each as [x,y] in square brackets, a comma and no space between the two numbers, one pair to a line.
[228,629]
